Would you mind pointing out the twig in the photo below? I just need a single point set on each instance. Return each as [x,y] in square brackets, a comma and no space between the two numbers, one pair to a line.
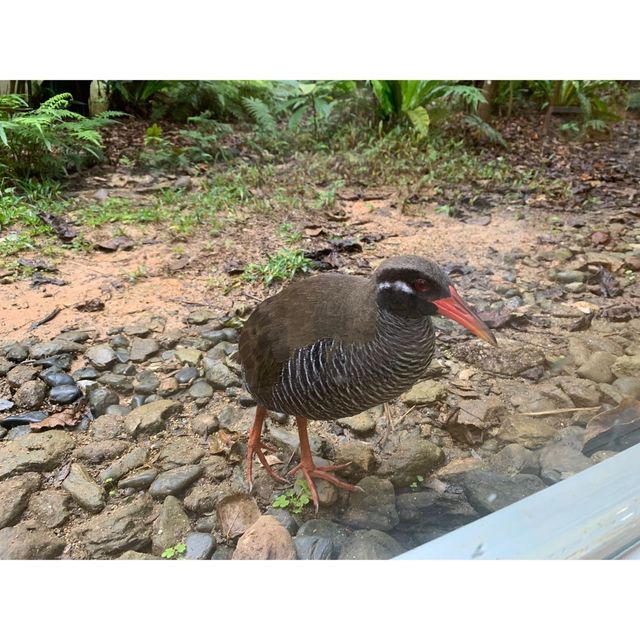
[553,412]
[50,316]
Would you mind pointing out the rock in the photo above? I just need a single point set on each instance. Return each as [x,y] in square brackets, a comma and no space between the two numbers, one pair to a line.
[143,348]
[628,386]
[510,360]
[27,418]
[167,387]
[146,383]
[488,491]
[313,548]
[201,389]
[598,367]
[613,430]
[175,480]
[180,452]
[559,461]
[19,431]
[54,348]
[370,545]
[136,555]
[205,423]
[429,508]
[236,514]
[322,528]
[139,481]
[151,418]
[528,431]
[360,457]
[14,497]
[426,392]
[206,524]
[200,316]
[266,539]
[24,542]
[17,353]
[186,375]
[75,336]
[3,432]
[232,418]
[107,427]
[284,518]
[97,452]
[514,459]
[55,377]
[20,374]
[361,424]
[117,382]
[31,394]
[569,276]
[543,397]
[413,457]
[35,452]
[102,356]
[188,355]
[200,546]
[372,508]
[101,398]
[51,507]
[171,526]
[132,460]
[222,552]
[64,394]
[83,489]
[117,530]
[626,366]
[87,373]
[202,498]
[583,393]
[221,377]
[289,439]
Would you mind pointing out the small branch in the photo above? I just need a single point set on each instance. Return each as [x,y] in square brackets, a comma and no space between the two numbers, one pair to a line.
[553,412]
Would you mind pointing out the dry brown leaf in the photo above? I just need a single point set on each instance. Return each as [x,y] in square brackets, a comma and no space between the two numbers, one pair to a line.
[67,418]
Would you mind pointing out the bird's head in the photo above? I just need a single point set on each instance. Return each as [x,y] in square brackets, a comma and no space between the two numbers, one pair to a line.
[412,286]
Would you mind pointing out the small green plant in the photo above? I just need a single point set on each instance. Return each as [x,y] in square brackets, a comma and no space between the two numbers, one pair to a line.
[297,497]
[153,134]
[283,265]
[174,552]
[290,234]
[416,482]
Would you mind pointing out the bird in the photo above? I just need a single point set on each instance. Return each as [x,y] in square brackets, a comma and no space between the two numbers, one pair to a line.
[333,345]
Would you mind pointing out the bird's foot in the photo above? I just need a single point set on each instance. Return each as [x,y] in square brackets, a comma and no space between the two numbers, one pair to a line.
[310,471]
[255,447]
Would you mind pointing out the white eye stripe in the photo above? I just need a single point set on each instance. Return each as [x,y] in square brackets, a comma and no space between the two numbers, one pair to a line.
[396,284]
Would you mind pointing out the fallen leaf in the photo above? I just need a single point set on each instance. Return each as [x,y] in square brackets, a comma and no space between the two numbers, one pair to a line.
[67,418]
[92,305]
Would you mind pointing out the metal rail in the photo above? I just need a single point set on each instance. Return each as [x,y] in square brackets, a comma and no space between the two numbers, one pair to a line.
[594,514]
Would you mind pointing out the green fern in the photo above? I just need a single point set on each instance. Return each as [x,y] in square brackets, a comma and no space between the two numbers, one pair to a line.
[485,129]
[260,112]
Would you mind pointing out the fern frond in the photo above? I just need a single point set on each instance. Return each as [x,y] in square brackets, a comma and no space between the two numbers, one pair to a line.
[260,112]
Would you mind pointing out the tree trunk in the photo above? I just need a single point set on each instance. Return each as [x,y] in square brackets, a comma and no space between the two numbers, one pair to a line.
[557,86]
[489,89]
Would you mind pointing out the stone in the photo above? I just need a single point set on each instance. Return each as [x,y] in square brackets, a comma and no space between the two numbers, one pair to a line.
[54,348]
[323,528]
[117,530]
[426,392]
[186,375]
[222,552]
[178,452]
[626,366]
[628,386]
[200,546]
[188,355]
[136,555]
[107,427]
[130,461]
[19,431]
[220,376]
[75,336]
[140,481]
[117,410]
[35,452]
[583,393]
[236,514]
[171,526]
[86,373]
[289,439]
[14,497]
[167,387]
[266,539]
[284,518]
[559,461]
[101,451]
[361,424]
[372,508]
[101,398]
[51,507]
[202,498]
[117,382]
[83,489]
[17,353]
[360,457]
[488,491]
[598,367]
[143,348]
[200,316]
[482,413]
[313,548]
[430,508]
[151,418]
[175,480]
[31,394]
[570,276]
[201,389]
[25,542]
[20,374]
[205,423]
[146,383]
[413,457]
[616,429]
[55,377]
[528,431]
[370,545]
[64,394]
[514,459]
[101,356]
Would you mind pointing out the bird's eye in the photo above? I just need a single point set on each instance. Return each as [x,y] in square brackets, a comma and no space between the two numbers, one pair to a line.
[421,285]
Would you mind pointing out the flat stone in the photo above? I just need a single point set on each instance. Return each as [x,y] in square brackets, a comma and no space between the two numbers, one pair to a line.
[205,423]
[20,374]
[51,507]
[75,336]
[429,508]
[362,424]
[482,414]
[569,276]
[136,555]
[17,353]
[200,546]
[289,439]
[598,367]
[24,542]
[370,545]
[64,394]
[31,394]
[188,355]
[54,348]
[266,539]
[132,460]
[101,451]
[171,526]
[117,382]
[143,348]
[202,498]
[102,356]
[628,386]
[83,489]
[514,459]
[55,377]
[140,480]
[175,480]
[372,508]
[360,457]
[201,389]
[614,430]
[186,375]
[488,491]
[413,457]
[151,418]
[167,387]
[528,431]
[86,373]
[426,392]
[626,366]
[107,427]
[559,461]
[583,393]
[14,497]
[101,398]
[220,376]
[146,383]
[35,452]
[313,548]
[181,451]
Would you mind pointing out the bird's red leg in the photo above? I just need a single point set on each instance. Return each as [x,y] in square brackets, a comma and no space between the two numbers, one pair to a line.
[255,445]
[309,469]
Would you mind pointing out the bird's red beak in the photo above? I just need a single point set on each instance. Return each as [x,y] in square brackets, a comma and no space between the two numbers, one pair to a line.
[456,309]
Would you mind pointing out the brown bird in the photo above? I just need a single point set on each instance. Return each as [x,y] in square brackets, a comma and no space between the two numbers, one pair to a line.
[334,345]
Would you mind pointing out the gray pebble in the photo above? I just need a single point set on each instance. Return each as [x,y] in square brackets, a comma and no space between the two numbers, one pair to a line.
[200,546]
[64,393]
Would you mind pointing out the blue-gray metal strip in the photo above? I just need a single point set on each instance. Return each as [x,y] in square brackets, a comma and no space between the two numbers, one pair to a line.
[594,514]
